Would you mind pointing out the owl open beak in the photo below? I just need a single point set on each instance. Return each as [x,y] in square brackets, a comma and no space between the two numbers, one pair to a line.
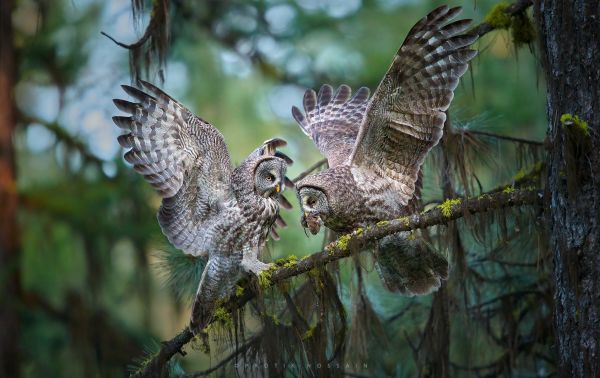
[312,221]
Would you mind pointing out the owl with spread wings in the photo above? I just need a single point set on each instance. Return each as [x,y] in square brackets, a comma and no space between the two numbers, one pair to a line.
[375,147]
[208,208]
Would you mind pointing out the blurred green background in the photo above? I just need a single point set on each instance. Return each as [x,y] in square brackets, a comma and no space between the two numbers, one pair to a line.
[95,297]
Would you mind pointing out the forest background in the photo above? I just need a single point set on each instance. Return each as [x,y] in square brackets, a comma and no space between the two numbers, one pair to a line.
[96,282]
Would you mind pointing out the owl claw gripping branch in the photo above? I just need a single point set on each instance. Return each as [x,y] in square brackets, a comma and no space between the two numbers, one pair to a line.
[375,147]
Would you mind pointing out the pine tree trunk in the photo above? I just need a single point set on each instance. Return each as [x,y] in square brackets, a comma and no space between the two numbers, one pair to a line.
[570,50]
[9,241]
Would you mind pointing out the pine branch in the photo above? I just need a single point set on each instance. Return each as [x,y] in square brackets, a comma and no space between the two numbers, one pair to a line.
[507,137]
[346,244]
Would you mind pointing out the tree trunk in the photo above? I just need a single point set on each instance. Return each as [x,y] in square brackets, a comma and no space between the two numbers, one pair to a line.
[9,240]
[570,52]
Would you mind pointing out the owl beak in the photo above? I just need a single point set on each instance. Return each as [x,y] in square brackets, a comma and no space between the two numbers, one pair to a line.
[277,188]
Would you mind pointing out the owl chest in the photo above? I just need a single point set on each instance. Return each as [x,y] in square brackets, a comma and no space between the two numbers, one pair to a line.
[258,219]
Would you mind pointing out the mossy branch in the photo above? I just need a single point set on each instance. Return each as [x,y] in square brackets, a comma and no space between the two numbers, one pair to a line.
[344,246]
[502,12]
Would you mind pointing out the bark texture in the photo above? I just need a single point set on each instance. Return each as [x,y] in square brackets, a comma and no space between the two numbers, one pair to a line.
[9,241]
[570,53]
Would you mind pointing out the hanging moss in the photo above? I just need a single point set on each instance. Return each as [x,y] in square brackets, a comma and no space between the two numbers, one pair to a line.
[446,207]
[498,18]
[523,31]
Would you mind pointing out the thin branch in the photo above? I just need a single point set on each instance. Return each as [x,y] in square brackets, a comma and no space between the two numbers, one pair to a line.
[507,137]
[64,136]
[344,246]
[135,45]
[155,20]
[311,169]
[513,9]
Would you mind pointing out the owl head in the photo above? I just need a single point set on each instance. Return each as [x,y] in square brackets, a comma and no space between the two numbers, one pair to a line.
[269,176]
[315,207]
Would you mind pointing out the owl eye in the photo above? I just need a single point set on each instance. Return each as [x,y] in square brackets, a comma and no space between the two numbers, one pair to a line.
[311,201]
[270,177]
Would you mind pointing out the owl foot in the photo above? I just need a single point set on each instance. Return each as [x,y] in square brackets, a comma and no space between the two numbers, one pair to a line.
[255,266]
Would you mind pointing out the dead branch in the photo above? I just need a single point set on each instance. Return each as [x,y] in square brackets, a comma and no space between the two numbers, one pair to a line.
[311,169]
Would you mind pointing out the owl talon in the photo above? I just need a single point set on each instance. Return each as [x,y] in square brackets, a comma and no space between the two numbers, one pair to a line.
[255,266]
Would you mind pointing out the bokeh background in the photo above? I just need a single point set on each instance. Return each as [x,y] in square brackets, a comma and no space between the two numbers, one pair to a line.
[95,295]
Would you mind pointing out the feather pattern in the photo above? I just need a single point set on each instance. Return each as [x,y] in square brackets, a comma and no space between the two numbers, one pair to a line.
[405,117]
[332,120]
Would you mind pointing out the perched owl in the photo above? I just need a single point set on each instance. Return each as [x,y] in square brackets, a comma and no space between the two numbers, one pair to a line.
[208,208]
[375,147]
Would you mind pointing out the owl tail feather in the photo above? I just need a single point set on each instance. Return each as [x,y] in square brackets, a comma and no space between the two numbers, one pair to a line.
[217,283]
[408,266]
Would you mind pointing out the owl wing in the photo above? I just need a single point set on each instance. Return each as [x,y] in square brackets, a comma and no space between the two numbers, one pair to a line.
[332,120]
[405,116]
[183,157]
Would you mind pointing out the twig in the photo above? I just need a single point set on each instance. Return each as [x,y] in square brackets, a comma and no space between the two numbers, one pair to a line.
[344,246]
[62,135]
[155,20]
[513,9]
[507,137]
[139,43]
[307,172]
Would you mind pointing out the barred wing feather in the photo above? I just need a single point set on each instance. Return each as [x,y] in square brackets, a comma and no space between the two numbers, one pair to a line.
[332,120]
[183,157]
[405,117]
